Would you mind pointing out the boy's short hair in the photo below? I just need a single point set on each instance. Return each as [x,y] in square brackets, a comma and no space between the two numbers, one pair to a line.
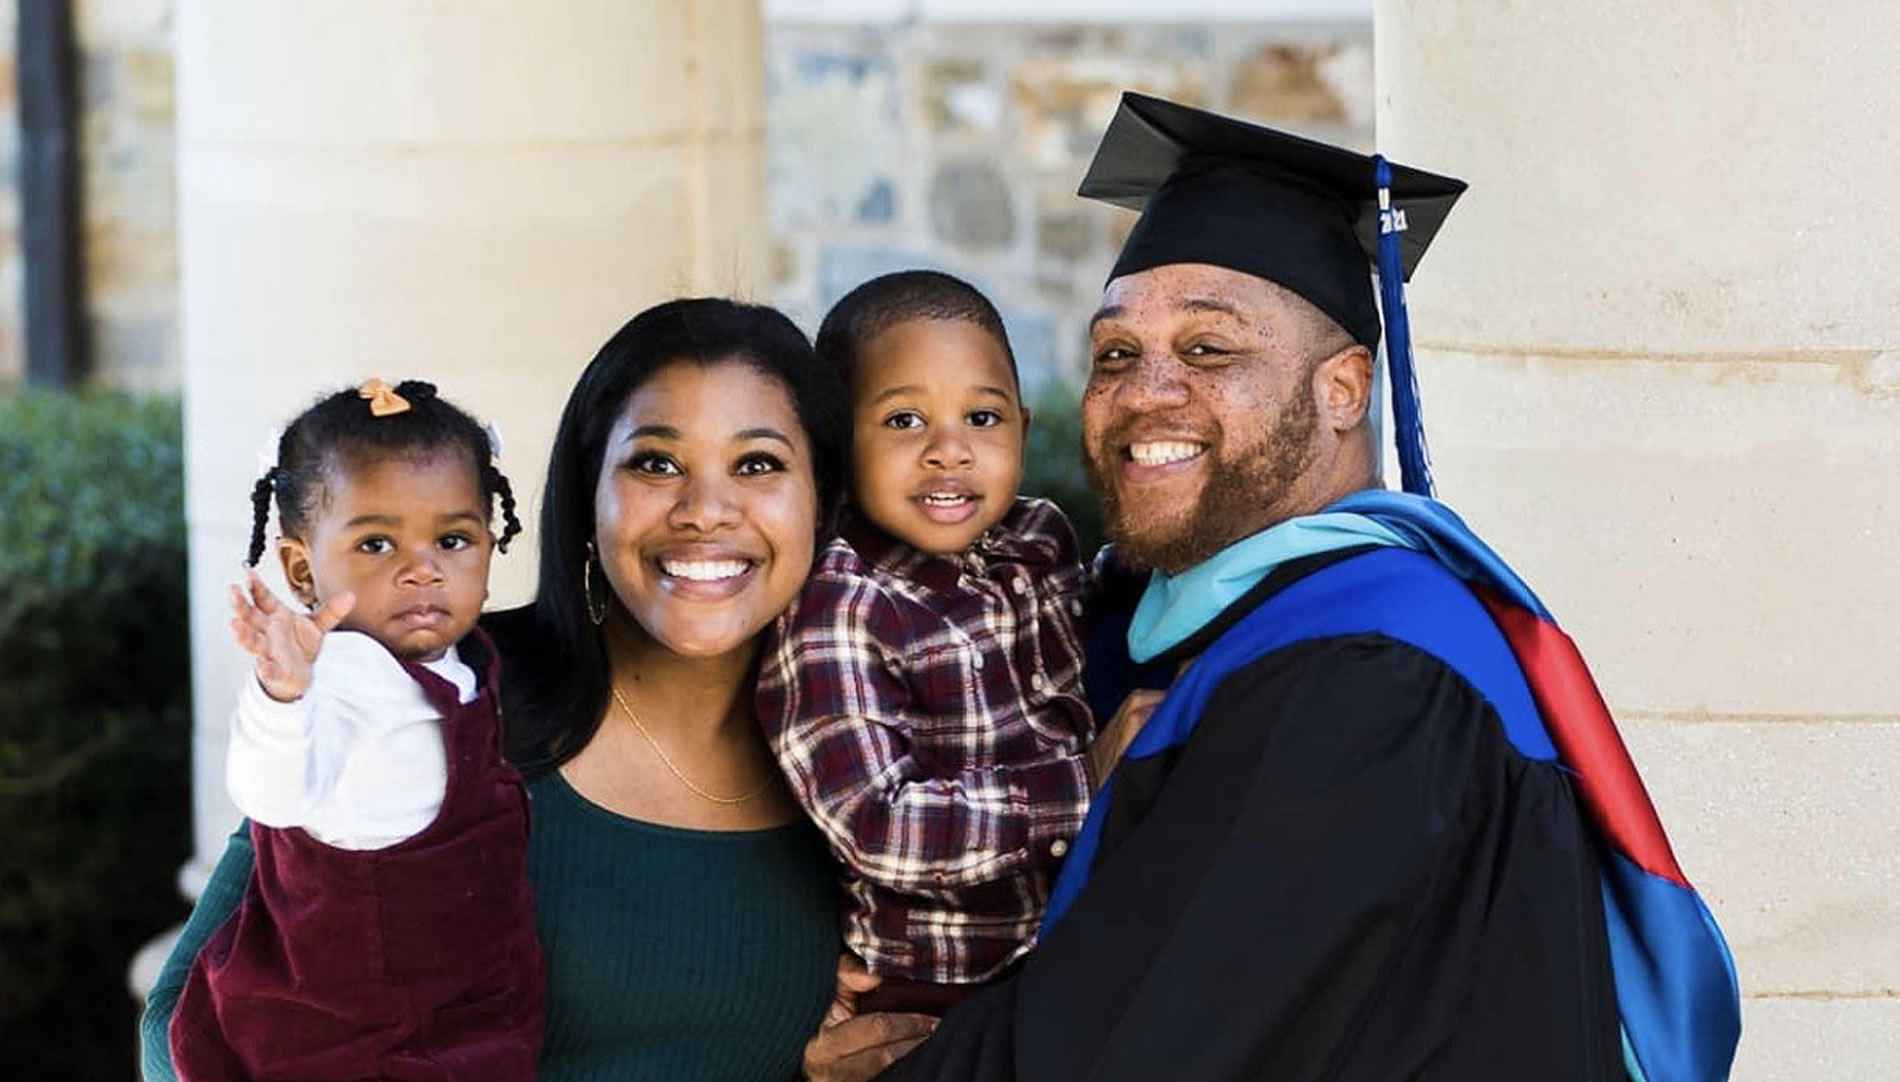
[901,297]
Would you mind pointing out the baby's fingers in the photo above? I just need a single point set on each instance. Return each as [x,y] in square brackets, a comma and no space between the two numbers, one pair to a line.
[248,625]
[243,609]
[333,611]
[280,645]
[249,639]
[262,597]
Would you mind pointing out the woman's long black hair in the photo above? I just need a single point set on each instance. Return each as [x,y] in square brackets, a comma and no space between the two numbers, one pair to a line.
[556,679]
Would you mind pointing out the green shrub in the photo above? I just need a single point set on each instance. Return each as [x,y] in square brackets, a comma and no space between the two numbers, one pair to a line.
[95,789]
[1053,461]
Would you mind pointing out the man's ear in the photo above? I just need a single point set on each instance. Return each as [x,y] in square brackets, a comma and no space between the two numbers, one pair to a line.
[1026,417]
[1342,385]
[296,562]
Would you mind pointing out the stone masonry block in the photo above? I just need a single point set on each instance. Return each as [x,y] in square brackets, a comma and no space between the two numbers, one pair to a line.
[1714,532]
[428,251]
[1803,1040]
[836,136]
[448,71]
[1787,828]
[971,205]
[1617,163]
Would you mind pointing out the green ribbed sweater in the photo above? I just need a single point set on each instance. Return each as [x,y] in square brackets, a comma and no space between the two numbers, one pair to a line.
[676,955]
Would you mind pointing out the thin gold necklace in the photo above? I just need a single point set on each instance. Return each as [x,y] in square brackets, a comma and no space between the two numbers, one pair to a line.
[668,760]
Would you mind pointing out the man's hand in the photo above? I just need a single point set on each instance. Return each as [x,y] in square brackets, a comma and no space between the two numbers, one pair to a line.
[1120,731]
[284,642]
[850,1047]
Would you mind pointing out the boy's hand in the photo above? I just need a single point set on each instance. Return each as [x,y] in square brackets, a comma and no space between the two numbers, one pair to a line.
[853,978]
[1120,731]
[284,642]
[850,1047]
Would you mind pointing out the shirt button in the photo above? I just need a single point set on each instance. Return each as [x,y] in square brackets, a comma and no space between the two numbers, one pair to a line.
[1075,608]
[1019,584]
[977,663]
[1058,848]
[1040,683]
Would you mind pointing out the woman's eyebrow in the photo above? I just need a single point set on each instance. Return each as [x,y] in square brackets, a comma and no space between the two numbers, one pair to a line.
[764,434]
[665,432]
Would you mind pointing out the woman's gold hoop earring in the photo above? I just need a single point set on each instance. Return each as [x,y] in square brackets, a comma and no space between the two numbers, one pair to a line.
[596,610]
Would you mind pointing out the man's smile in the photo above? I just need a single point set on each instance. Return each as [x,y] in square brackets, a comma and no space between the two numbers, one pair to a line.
[1164,452]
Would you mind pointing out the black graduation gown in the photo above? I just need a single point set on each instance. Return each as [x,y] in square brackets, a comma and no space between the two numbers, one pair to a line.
[1345,873]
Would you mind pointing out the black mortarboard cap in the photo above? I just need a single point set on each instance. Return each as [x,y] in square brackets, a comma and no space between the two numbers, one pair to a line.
[1312,217]
[1217,190]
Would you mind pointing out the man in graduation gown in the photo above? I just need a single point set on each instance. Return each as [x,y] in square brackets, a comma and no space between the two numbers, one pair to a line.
[1366,835]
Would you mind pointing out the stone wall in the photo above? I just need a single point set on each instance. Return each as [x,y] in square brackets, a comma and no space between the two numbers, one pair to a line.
[959,146]
[892,144]
[128,194]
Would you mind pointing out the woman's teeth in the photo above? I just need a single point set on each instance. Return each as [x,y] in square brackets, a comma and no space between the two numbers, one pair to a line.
[947,499]
[704,570]
[1163,452]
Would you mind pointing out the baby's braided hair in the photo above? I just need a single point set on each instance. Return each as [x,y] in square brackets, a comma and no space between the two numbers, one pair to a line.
[341,432]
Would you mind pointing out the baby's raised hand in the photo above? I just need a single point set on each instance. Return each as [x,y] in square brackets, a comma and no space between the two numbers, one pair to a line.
[284,641]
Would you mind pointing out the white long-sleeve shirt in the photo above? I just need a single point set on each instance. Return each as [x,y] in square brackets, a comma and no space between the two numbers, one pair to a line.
[358,762]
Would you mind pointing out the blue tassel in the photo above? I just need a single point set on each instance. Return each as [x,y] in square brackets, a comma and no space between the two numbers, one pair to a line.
[1415,468]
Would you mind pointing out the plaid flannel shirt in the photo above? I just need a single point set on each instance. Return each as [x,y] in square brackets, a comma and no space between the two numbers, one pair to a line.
[928,712]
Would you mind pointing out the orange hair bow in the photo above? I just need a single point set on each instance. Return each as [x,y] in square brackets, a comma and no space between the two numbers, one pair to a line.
[383,399]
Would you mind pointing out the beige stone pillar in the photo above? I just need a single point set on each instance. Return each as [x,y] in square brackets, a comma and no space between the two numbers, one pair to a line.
[1660,356]
[475,192]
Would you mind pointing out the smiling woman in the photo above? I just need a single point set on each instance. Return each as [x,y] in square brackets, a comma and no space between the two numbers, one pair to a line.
[704,510]
[686,909]
[666,426]
[685,905]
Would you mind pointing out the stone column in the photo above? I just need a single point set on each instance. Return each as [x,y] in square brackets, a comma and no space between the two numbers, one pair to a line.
[1658,356]
[475,192]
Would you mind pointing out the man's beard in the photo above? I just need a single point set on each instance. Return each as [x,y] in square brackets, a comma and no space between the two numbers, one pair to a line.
[1239,499]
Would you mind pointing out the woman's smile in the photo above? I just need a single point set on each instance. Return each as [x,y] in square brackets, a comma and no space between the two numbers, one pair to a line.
[696,575]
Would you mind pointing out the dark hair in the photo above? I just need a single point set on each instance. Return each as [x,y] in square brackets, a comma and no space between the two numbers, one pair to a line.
[556,682]
[339,432]
[901,297]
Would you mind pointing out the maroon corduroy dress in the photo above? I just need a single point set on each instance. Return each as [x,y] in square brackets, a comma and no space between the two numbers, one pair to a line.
[415,963]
